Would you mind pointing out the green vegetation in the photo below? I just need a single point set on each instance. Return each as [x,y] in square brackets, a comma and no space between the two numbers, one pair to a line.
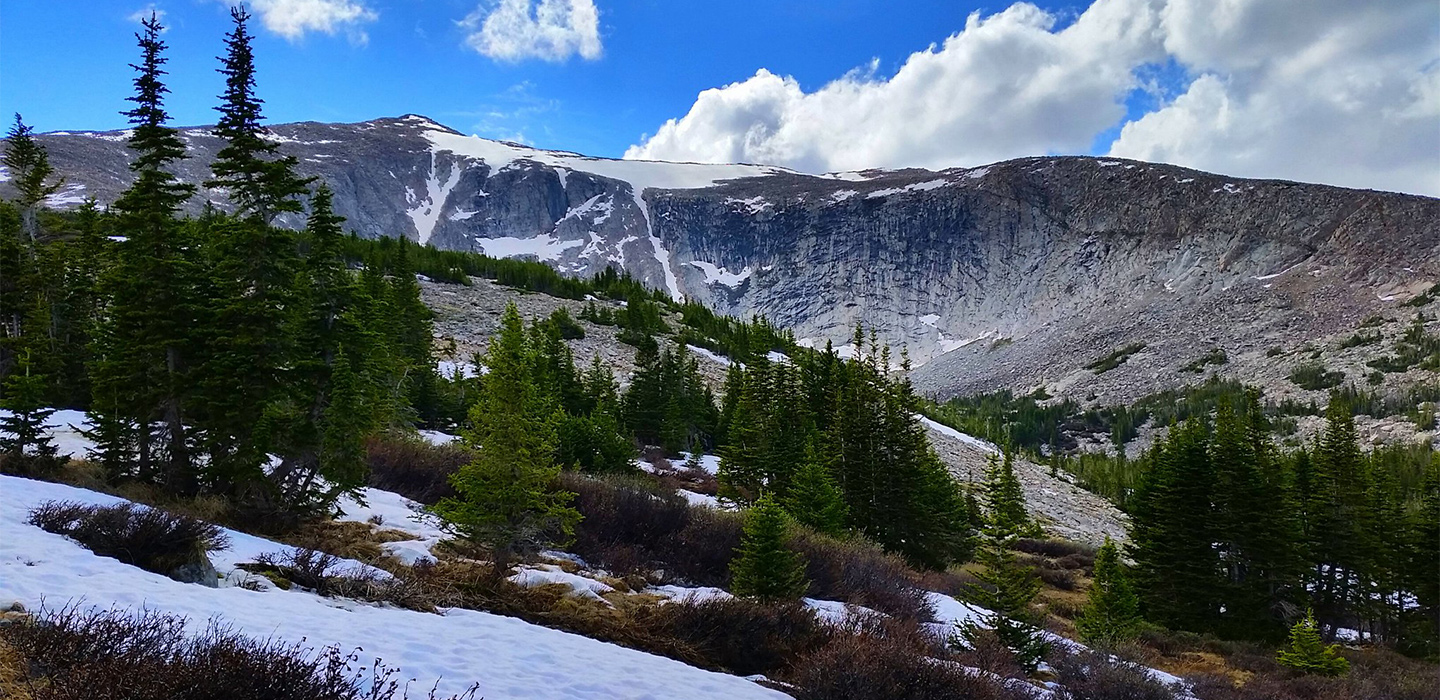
[1112,611]
[1315,376]
[1114,359]
[1214,357]
[1424,298]
[1416,348]
[1307,654]
[1361,338]
[763,566]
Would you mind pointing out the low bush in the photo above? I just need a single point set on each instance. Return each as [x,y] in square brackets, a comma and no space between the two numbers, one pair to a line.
[861,573]
[1055,549]
[1314,376]
[890,661]
[150,538]
[115,655]
[1090,676]
[743,637]
[1114,359]
[413,468]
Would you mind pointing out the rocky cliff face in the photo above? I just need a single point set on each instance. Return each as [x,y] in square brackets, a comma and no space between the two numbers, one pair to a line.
[1011,275]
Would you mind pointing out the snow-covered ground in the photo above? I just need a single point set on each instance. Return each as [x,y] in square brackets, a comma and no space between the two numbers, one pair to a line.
[507,657]
[391,511]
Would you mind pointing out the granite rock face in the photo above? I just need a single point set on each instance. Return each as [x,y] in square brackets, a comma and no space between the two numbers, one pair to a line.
[1012,275]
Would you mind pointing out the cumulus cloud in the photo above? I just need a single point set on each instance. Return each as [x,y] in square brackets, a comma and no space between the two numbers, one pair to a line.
[1317,90]
[551,30]
[1324,91]
[292,19]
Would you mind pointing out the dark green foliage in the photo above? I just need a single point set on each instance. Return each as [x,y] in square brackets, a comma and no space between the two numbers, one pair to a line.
[1307,654]
[1424,298]
[28,166]
[1114,359]
[1173,531]
[1416,348]
[814,499]
[261,183]
[667,403]
[1004,500]
[1112,611]
[1315,376]
[507,500]
[764,567]
[25,448]
[1214,357]
[1360,339]
[1007,589]
[568,328]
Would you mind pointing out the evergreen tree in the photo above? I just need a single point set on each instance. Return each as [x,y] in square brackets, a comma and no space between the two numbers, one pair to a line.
[1172,533]
[1338,514]
[143,358]
[1112,611]
[1008,591]
[25,448]
[1422,633]
[505,497]
[763,566]
[1307,654]
[261,183]
[30,174]
[813,498]
[1004,499]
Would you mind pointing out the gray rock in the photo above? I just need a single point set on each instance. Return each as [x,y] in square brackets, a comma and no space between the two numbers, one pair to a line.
[1064,258]
[199,570]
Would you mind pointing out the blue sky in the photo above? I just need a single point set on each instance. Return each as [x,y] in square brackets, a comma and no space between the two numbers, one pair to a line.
[64,63]
[841,84]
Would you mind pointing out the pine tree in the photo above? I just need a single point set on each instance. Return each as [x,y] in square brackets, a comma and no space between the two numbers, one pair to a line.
[143,357]
[1172,533]
[1007,590]
[813,498]
[25,447]
[1339,519]
[260,183]
[1112,611]
[763,566]
[30,174]
[1004,498]
[1307,654]
[506,501]
[345,423]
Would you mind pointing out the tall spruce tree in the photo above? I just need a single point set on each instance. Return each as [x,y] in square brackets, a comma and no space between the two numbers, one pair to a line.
[143,362]
[1338,515]
[1172,533]
[260,182]
[813,498]
[505,499]
[1004,499]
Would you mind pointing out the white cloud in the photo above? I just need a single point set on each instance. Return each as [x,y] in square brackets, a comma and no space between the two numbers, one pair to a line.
[1317,90]
[293,18]
[1336,92]
[551,30]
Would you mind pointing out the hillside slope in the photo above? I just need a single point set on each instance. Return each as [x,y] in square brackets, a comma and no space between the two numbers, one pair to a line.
[1058,259]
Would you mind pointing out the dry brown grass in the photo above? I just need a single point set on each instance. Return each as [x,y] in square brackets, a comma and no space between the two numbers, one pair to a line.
[13,673]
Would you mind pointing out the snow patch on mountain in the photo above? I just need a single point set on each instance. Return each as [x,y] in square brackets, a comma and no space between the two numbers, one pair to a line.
[543,247]
[426,213]
[715,274]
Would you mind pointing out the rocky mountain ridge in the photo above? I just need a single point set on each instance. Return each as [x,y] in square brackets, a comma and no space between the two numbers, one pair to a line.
[1011,275]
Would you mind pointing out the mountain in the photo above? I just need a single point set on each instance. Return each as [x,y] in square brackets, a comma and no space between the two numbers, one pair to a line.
[1013,275]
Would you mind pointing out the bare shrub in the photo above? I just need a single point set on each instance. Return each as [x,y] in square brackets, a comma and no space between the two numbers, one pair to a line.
[116,655]
[741,636]
[150,538]
[861,573]
[413,468]
[1090,676]
[889,661]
